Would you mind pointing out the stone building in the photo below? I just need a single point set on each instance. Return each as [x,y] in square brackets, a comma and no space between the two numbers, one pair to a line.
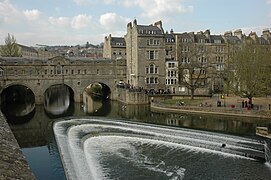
[171,63]
[31,52]
[180,63]
[27,52]
[145,49]
[114,47]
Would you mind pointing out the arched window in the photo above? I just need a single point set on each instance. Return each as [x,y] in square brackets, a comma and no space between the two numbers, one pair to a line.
[152,69]
[58,69]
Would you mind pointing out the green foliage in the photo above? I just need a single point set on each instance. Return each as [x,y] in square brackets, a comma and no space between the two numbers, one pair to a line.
[249,75]
[96,88]
[10,49]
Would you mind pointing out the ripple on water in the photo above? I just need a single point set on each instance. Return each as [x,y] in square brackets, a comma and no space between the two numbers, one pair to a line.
[109,149]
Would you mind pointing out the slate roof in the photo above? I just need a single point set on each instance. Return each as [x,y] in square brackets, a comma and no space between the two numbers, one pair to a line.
[116,41]
[146,29]
[232,39]
[189,36]
[216,37]
[185,35]
[198,37]
[263,41]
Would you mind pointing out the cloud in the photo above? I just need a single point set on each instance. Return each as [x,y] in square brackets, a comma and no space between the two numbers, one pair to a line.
[109,1]
[33,14]
[8,13]
[161,8]
[95,2]
[80,21]
[59,21]
[268,1]
[155,8]
[85,2]
[112,21]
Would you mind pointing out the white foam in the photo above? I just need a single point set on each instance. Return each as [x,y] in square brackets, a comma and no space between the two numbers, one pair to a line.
[78,141]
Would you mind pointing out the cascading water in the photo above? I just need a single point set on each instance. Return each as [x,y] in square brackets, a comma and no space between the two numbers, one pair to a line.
[97,148]
[267,149]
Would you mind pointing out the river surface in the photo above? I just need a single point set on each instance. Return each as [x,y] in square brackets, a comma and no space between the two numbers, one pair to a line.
[145,151]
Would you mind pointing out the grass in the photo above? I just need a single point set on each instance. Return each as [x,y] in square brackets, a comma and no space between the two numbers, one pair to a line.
[186,101]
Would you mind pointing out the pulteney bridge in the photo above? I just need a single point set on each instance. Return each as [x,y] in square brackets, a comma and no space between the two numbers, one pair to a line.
[77,73]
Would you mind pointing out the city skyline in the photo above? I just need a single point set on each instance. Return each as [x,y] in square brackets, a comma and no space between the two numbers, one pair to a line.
[72,22]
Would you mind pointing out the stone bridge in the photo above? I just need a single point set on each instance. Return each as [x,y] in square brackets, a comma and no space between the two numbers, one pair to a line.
[77,73]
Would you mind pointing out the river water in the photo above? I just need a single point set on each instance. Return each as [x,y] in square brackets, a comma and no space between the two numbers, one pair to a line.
[169,146]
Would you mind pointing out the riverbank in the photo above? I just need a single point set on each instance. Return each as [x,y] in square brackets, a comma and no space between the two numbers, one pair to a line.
[231,106]
[13,164]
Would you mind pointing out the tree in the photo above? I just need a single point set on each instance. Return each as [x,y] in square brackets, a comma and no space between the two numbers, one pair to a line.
[250,70]
[194,67]
[10,49]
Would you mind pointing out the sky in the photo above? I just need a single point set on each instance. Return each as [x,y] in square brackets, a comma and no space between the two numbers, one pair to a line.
[72,22]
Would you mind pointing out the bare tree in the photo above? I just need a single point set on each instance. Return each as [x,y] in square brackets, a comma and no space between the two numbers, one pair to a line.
[250,71]
[10,49]
[194,67]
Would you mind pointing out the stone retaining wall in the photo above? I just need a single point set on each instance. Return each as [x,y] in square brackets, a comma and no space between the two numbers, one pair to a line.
[211,110]
[13,164]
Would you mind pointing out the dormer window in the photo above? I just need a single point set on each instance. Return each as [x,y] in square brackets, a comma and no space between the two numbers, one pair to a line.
[151,32]
[202,41]
[217,41]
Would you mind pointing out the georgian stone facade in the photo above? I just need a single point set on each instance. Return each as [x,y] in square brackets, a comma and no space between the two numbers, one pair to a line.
[161,60]
[114,47]
[145,48]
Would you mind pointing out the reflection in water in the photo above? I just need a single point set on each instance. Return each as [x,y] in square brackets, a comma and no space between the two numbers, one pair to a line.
[90,105]
[18,103]
[57,100]
[95,105]
[38,133]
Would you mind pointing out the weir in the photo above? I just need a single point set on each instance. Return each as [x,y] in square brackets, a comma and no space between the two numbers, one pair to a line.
[97,148]
[264,132]
[267,149]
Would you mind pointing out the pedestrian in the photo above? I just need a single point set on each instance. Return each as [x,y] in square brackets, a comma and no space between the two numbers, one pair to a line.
[269,107]
[243,104]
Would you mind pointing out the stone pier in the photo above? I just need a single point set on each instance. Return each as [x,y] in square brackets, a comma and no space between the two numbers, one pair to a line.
[13,164]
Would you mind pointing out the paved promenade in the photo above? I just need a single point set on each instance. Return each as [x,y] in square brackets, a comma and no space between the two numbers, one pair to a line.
[232,107]
[13,164]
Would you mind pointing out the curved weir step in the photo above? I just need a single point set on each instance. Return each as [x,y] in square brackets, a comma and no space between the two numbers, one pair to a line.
[88,146]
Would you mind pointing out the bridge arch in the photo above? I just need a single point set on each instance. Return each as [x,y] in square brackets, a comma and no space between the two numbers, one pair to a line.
[19,84]
[104,90]
[95,99]
[77,73]
[17,103]
[58,100]
[47,86]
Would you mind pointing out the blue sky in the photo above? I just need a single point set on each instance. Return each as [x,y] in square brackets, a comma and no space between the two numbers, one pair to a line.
[71,22]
